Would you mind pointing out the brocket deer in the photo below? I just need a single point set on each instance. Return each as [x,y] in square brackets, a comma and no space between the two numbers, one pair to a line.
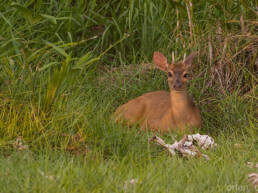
[161,110]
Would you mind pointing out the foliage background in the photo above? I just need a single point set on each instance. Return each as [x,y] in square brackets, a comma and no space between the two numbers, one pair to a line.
[66,65]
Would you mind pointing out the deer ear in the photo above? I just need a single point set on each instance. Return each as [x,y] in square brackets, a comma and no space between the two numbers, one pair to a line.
[160,61]
[189,60]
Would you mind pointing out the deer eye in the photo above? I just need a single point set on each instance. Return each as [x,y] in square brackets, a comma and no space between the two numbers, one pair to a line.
[186,75]
[169,74]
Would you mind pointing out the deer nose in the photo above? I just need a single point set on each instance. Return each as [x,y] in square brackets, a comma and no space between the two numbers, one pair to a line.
[177,85]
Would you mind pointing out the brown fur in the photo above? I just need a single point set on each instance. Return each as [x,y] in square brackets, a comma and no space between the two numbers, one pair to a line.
[164,111]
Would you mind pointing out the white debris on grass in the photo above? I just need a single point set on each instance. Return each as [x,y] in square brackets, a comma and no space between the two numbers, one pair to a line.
[186,145]
[50,177]
[252,165]
[203,141]
[253,178]
[130,182]
[19,144]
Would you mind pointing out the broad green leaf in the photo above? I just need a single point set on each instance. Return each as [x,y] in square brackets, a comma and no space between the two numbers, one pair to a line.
[79,67]
[51,18]
[47,66]
[68,18]
[58,49]
[82,61]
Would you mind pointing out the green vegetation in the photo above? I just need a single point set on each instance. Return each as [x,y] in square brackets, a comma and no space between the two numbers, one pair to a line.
[66,65]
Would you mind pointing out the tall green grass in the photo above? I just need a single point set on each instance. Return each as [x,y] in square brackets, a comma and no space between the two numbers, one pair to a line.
[66,65]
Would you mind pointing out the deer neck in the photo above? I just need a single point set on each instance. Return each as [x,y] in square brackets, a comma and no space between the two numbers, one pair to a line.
[181,105]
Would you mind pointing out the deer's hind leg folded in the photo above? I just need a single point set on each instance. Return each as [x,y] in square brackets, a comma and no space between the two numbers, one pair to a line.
[131,112]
